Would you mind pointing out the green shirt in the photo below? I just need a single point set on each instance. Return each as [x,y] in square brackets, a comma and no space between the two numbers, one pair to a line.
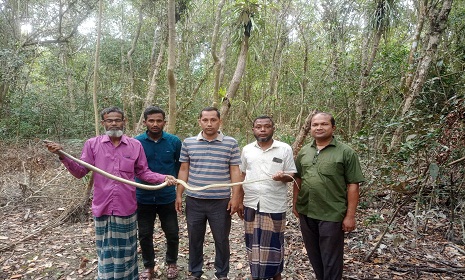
[325,175]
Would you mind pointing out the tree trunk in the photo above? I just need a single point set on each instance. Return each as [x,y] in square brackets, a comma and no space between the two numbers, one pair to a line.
[96,66]
[236,79]
[216,59]
[304,79]
[282,37]
[281,40]
[152,86]
[438,15]
[132,78]
[406,82]
[304,130]
[171,127]
[69,79]
[360,104]
[3,92]
[123,54]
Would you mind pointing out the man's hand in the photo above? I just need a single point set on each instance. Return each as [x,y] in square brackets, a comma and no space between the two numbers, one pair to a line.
[178,204]
[348,224]
[170,180]
[240,211]
[294,211]
[53,147]
[234,206]
[295,193]
[182,175]
[283,177]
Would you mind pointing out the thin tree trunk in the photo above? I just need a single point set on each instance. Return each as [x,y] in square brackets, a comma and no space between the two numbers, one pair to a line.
[406,82]
[224,46]
[216,59]
[304,130]
[438,15]
[132,78]
[304,81]
[171,127]
[193,94]
[153,57]
[360,104]
[90,184]
[236,79]
[3,92]
[96,66]
[277,60]
[282,36]
[69,80]
[152,86]
[123,75]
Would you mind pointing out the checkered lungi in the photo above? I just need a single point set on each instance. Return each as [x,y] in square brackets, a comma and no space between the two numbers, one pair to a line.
[116,240]
[264,239]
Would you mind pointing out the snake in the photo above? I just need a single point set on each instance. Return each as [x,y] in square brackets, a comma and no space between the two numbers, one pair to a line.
[154,187]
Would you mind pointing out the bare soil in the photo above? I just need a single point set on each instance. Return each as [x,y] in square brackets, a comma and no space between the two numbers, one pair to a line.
[41,239]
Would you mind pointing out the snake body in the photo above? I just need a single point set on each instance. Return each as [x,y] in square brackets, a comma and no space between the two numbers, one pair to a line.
[151,187]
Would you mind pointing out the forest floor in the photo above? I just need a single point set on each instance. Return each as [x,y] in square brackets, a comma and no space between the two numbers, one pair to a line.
[40,239]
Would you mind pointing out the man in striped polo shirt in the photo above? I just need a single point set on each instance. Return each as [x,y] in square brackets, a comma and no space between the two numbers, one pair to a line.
[209,158]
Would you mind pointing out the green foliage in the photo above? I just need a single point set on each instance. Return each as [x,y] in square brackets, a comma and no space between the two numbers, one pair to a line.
[373,219]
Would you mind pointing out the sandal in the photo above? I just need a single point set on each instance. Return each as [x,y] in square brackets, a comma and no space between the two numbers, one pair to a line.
[172,271]
[147,274]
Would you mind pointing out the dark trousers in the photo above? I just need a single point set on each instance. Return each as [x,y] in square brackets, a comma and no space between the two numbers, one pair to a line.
[324,242]
[198,212]
[146,214]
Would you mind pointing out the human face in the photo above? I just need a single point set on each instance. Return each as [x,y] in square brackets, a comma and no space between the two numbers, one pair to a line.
[210,124]
[155,124]
[114,124]
[263,130]
[321,128]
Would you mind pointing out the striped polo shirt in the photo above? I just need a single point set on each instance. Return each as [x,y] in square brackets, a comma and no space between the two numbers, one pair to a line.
[209,163]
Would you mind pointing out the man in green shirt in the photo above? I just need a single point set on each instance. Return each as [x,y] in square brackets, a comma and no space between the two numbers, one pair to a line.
[326,196]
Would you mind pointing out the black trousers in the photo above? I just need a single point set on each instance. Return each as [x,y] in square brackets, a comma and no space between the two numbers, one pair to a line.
[198,213]
[324,242]
[146,214]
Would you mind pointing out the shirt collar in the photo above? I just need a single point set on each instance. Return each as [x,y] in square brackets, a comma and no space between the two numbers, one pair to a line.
[219,137]
[332,143]
[124,139]
[273,145]
[146,136]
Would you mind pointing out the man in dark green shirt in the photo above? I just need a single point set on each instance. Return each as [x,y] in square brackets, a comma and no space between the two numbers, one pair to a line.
[326,196]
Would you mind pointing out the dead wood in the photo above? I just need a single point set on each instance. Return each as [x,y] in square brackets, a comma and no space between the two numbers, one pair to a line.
[70,212]
[456,248]
[304,130]
[386,229]
[422,268]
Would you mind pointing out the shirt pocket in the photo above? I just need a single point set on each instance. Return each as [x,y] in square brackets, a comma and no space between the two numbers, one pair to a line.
[167,157]
[275,167]
[330,168]
[127,165]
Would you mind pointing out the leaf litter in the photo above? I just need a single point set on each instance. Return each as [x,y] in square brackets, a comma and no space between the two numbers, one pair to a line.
[36,191]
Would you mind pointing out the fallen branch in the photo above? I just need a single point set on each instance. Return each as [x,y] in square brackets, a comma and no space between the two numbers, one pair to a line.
[386,230]
[59,220]
[455,247]
[456,161]
[415,268]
